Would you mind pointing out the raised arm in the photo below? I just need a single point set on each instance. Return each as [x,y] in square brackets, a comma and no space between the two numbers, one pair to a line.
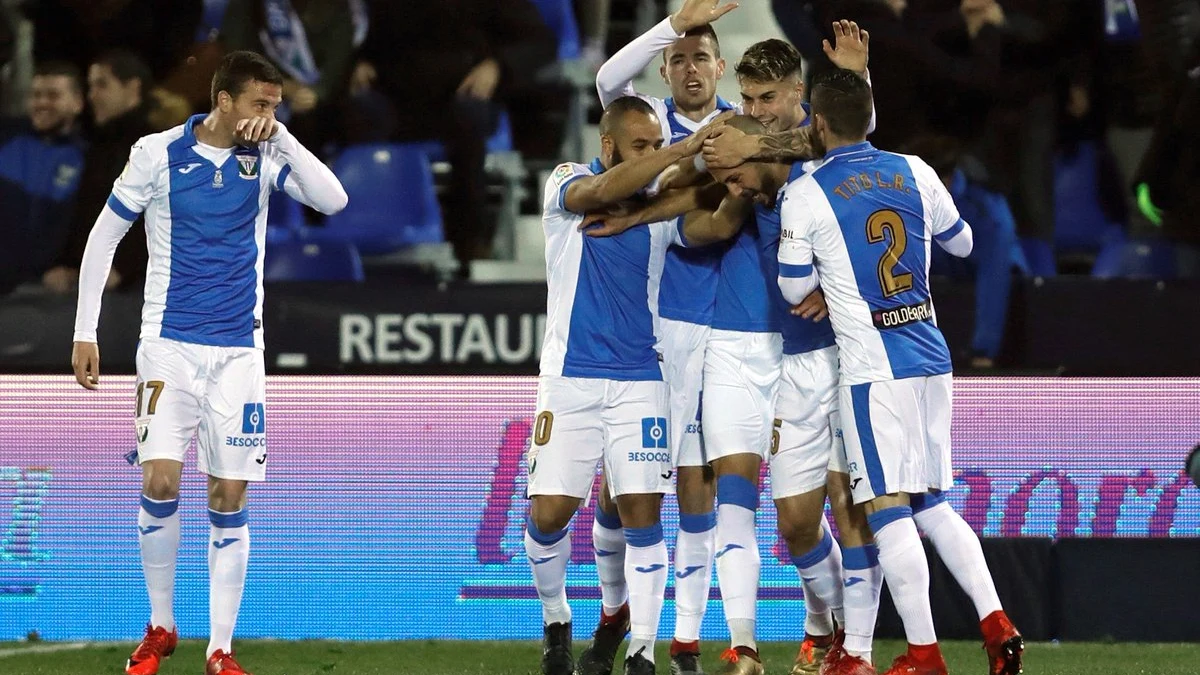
[615,77]
[305,177]
[667,205]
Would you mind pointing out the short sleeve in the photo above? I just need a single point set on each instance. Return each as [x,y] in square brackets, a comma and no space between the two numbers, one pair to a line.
[944,220]
[556,187]
[795,238]
[134,188]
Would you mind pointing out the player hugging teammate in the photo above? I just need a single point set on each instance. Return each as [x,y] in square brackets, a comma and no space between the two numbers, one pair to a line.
[689,272]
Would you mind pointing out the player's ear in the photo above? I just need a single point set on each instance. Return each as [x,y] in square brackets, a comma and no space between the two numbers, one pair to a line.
[720,68]
[662,72]
[607,144]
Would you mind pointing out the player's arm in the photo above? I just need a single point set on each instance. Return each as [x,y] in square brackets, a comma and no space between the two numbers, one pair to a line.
[615,77]
[303,176]
[949,229]
[797,276]
[702,226]
[589,193]
[667,205]
[130,195]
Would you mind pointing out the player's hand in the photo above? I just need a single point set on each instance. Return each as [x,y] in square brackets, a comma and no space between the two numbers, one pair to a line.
[813,307]
[363,77]
[481,82]
[114,279]
[694,143]
[608,223]
[255,130]
[728,147]
[851,47]
[85,361]
[696,13]
[60,279]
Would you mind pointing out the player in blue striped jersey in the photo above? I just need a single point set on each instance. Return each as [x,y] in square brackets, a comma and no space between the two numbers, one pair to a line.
[203,187]
[601,396]
[691,67]
[864,220]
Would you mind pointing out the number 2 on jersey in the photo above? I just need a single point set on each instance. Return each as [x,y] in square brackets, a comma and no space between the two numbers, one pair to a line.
[879,224]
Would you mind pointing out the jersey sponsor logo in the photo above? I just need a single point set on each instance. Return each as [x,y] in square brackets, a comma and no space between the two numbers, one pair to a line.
[654,432]
[253,419]
[187,169]
[246,442]
[650,457]
[897,317]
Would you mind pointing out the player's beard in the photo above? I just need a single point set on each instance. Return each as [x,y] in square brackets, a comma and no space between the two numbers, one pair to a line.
[616,156]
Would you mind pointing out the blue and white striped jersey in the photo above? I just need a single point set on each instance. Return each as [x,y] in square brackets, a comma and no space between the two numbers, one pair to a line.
[866,219]
[603,292]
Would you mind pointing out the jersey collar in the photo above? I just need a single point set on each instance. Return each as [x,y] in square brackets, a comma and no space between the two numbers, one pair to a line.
[596,167]
[189,129]
[849,149]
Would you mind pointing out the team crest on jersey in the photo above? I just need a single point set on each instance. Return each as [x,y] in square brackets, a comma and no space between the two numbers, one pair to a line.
[218,180]
[248,166]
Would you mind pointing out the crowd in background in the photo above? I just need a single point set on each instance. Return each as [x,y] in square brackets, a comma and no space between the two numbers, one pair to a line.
[1061,126]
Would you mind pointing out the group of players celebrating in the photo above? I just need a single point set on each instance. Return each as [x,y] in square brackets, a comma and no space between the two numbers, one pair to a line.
[732,284]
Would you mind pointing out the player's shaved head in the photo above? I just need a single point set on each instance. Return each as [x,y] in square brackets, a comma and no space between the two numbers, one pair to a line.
[747,125]
[628,129]
[613,115]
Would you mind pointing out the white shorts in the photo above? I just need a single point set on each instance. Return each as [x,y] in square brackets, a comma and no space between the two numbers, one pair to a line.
[807,442]
[582,421]
[216,394]
[897,436]
[741,380]
[683,345]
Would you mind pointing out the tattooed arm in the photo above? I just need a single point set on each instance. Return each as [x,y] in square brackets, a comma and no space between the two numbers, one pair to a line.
[729,147]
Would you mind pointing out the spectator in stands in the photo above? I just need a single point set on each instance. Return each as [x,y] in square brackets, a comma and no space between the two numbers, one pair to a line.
[911,74]
[446,68]
[312,42]
[995,253]
[117,85]
[40,162]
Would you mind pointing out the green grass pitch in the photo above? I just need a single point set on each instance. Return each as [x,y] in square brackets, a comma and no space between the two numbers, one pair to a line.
[429,657]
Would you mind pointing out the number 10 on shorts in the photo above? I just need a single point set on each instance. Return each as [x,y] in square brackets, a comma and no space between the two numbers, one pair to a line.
[654,432]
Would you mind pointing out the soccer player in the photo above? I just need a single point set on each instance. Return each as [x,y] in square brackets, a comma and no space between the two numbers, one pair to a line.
[692,65]
[863,220]
[601,396]
[203,187]
[805,450]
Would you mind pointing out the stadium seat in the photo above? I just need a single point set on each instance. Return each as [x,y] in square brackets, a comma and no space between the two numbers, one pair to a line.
[1040,257]
[1136,259]
[392,199]
[1080,224]
[312,261]
[559,15]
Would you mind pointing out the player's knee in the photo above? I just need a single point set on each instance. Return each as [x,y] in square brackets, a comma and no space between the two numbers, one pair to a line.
[226,496]
[160,486]
[695,489]
[802,534]
[640,510]
[549,516]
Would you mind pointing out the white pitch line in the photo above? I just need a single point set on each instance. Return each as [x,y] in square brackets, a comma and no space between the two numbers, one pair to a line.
[45,649]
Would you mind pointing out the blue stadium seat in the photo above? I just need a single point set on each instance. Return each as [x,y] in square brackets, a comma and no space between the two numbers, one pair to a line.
[312,261]
[559,15]
[392,199]
[1136,259]
[1040,257]
[1080,225]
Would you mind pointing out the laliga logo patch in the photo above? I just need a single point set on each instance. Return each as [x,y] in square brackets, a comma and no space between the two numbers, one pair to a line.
[248,166]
